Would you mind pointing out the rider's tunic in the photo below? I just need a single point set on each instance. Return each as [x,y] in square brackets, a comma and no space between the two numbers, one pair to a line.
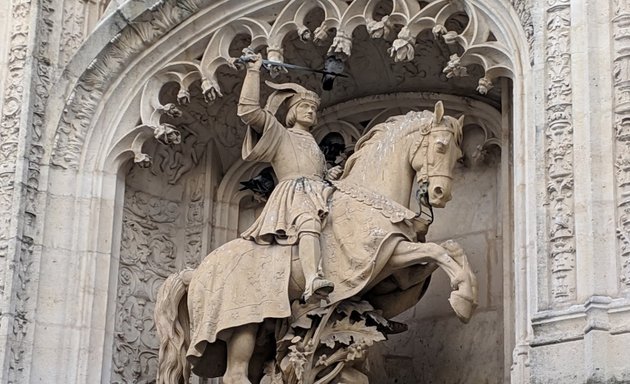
[301,192]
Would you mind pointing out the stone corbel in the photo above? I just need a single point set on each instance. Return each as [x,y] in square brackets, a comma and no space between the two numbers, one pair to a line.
[130,146]
[479,48]
[341,47]
[143,160]
[152,110]
[402,48]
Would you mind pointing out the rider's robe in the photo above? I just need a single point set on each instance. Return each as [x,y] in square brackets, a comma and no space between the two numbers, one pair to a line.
[301,192]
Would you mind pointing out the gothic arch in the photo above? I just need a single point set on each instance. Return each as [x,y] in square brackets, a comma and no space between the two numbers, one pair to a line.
[92,139]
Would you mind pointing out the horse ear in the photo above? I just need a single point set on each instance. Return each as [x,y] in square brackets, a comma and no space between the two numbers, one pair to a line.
[439,112]
[460,121]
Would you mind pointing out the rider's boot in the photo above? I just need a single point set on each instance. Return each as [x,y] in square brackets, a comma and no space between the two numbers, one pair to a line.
[310,256]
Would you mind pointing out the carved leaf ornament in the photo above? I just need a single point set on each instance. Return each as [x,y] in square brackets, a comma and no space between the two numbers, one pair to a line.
[339,22]
[333,339]
[347,333]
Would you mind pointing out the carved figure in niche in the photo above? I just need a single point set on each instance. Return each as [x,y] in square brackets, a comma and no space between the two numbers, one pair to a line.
[296,209]
[177,160]
[239,314]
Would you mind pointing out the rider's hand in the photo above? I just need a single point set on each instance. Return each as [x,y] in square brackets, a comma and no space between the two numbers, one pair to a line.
[251,59]
[334,173]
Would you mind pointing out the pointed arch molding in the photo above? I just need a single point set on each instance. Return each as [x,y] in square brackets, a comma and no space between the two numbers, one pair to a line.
[483,43]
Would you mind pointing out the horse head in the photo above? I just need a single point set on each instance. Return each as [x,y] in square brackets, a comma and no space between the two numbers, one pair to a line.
[434,158]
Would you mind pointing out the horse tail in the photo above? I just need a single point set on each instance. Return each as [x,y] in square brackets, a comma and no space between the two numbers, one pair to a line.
[173,329]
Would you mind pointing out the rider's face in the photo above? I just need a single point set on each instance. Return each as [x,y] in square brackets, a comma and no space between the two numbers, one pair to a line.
[306,113]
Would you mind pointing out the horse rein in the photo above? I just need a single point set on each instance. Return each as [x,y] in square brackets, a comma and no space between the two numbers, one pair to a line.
[422,197]
[422,194]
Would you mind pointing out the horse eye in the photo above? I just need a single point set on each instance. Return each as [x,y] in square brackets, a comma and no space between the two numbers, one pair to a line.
[440,146]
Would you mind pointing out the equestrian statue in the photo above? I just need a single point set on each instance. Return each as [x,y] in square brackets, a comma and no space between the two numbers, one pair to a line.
[332,257]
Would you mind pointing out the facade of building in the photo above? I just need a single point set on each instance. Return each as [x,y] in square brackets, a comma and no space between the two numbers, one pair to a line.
[95,212]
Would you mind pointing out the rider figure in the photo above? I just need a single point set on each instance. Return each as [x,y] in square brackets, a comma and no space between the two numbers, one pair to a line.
[296,210]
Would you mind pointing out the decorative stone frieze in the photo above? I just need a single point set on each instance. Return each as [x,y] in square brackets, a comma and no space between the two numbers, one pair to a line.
[72,34]
[559,154]
[89,90]
[523,9]
[194,224]
[78,20]
[148,254]
[621,79]
[30,66]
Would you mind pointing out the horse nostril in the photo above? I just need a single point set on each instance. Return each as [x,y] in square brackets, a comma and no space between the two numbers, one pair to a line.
[438,191]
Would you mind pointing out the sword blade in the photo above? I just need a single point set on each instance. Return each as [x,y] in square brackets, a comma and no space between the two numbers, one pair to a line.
[300,68]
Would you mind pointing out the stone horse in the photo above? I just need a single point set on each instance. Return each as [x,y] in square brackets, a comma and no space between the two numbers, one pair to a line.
[370,250]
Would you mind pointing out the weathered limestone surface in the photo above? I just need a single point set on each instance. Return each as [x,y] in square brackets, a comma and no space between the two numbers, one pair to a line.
[542,214]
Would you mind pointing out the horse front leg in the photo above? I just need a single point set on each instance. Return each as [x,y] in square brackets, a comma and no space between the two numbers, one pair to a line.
[450,257]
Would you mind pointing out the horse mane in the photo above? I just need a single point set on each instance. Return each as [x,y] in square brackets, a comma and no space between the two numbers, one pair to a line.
[379,131]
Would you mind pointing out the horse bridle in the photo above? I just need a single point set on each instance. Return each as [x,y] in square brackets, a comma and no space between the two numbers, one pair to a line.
[422,195]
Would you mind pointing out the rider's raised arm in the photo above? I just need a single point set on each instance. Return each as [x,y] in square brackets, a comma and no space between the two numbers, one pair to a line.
[249,109]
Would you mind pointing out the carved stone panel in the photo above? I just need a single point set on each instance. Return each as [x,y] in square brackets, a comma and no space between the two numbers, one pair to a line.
[26,83]
[559,155]
[147,256]
[164,218]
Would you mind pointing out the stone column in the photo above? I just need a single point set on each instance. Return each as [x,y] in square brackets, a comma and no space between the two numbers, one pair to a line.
[579,331]
[27,72]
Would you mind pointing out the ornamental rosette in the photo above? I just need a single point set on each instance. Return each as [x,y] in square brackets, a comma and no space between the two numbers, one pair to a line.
[454,67]
[485,85]
[167,134]
[211,90]
[341,46]
[378,29]
[402,48]
[143,160]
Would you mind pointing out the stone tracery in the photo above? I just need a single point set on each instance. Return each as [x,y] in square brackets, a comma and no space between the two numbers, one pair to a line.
[477,47]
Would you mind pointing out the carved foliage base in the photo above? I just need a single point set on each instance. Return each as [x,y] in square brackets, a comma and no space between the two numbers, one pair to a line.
[322,345]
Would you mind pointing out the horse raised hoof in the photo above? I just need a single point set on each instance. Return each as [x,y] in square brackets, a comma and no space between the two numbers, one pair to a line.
[462,305]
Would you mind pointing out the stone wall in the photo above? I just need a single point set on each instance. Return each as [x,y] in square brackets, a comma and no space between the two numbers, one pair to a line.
[553,260]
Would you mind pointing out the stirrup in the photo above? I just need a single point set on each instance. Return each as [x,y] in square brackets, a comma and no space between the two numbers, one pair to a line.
[319,288]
